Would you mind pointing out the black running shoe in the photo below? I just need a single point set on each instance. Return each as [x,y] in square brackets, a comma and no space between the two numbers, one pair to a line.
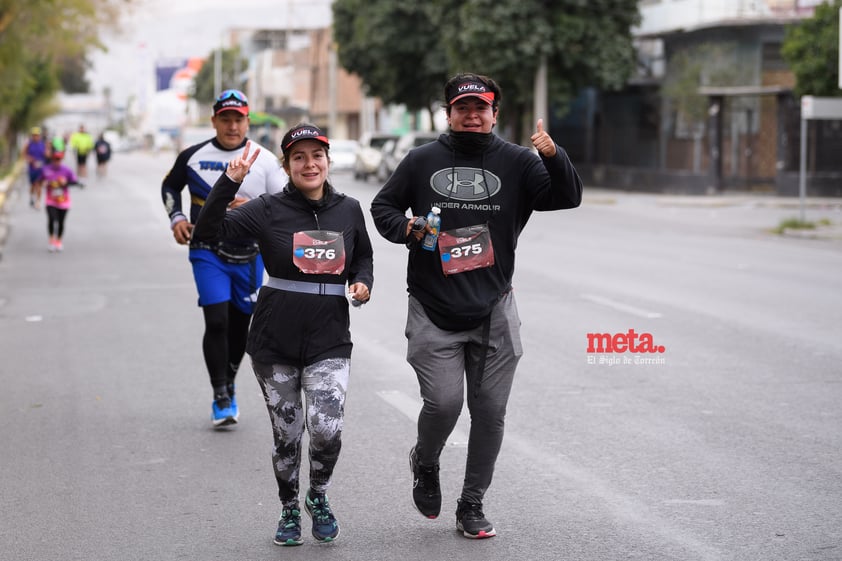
[289,528]
[325,526]
[471,521]
[426,491]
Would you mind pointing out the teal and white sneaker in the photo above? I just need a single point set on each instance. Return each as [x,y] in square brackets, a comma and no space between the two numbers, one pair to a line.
[223,414]
[289,527]
[325,526]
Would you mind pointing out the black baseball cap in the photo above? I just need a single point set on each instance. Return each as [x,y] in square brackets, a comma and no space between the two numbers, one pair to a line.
[469,87]
[304,131]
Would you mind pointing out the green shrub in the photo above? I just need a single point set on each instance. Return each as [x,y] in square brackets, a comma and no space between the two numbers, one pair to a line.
[794,224]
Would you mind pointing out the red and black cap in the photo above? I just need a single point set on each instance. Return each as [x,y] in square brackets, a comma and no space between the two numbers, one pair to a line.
[469,88]
[231,100]
[303,131]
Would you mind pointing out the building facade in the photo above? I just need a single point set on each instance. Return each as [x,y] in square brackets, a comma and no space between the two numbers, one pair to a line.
[712,108]
[293,75]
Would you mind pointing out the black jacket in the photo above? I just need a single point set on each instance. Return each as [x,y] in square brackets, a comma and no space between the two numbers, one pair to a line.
[501,186]
[290,327]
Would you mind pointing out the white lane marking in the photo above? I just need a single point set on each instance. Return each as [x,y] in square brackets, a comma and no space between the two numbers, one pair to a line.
[699,502]
[411,407]
[601,300]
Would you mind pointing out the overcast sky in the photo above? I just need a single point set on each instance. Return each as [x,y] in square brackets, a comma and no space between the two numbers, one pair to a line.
[166,29]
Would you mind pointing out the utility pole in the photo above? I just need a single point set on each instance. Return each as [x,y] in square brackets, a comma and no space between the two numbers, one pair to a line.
[540,96]
[332,93]
[217,69]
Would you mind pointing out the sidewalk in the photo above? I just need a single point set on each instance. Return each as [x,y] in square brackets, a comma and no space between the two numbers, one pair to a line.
[824,231]
[608,196]
[6,184]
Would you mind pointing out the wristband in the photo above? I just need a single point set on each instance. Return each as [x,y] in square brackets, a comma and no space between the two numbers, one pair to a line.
[176,219]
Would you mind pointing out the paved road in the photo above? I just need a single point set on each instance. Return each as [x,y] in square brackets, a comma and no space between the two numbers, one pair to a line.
[726,446]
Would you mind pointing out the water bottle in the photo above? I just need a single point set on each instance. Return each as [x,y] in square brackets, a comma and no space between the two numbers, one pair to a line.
[434,222]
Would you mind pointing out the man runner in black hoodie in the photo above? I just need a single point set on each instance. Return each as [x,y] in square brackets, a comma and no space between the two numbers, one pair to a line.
[462,322]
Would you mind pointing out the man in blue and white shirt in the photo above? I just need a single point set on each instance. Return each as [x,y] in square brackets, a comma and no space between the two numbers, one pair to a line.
[228,275]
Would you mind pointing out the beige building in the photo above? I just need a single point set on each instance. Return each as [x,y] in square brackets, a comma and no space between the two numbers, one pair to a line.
[293,74]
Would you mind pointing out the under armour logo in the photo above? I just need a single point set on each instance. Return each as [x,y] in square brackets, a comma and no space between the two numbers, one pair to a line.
[465,184]
[475,185]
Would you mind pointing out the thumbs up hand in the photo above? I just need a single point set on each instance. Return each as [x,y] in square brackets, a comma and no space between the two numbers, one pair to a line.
[542,141]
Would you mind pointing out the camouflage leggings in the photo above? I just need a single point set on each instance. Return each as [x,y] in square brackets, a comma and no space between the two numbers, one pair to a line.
[324,385]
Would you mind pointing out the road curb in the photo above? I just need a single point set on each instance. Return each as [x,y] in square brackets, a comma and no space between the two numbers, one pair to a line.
[820,203]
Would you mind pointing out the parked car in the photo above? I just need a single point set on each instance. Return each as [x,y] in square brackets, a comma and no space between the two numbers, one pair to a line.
[368,155]
[395,150]
[343,154]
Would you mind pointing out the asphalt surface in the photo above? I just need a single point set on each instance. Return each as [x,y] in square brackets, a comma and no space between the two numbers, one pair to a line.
[729,449]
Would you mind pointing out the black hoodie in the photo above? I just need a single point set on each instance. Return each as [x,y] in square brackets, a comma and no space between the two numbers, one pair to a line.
[501,186]
[291,327]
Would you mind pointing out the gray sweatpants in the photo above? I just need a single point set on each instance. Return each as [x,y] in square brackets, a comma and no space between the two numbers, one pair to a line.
[324,385]
[444,361]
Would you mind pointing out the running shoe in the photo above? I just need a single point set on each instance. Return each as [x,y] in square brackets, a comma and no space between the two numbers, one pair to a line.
[471,521]
[426,490]
[59,247]
[325,526]
[234,407]
[289,527]
[223,414]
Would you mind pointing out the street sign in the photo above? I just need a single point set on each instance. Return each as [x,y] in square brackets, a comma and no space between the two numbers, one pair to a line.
[821,107]
[813,108]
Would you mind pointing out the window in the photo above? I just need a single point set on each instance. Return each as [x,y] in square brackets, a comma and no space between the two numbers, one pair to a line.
[772,59]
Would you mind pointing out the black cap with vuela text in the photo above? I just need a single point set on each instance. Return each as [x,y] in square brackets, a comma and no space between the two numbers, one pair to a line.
[303,131]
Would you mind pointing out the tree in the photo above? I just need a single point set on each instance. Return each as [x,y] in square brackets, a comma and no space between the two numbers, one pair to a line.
[811,48]
[36,38]
[37,103]
[72,70]
[232,64]
[395,47]
[404,52]
[585,43]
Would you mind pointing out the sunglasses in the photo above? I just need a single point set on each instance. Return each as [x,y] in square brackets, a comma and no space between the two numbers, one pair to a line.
[236,94]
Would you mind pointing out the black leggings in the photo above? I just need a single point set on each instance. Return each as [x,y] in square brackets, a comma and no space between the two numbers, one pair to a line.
[55,221]
[224,343]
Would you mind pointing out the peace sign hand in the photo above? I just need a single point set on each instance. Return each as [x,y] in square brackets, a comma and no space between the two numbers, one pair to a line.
[239,167]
